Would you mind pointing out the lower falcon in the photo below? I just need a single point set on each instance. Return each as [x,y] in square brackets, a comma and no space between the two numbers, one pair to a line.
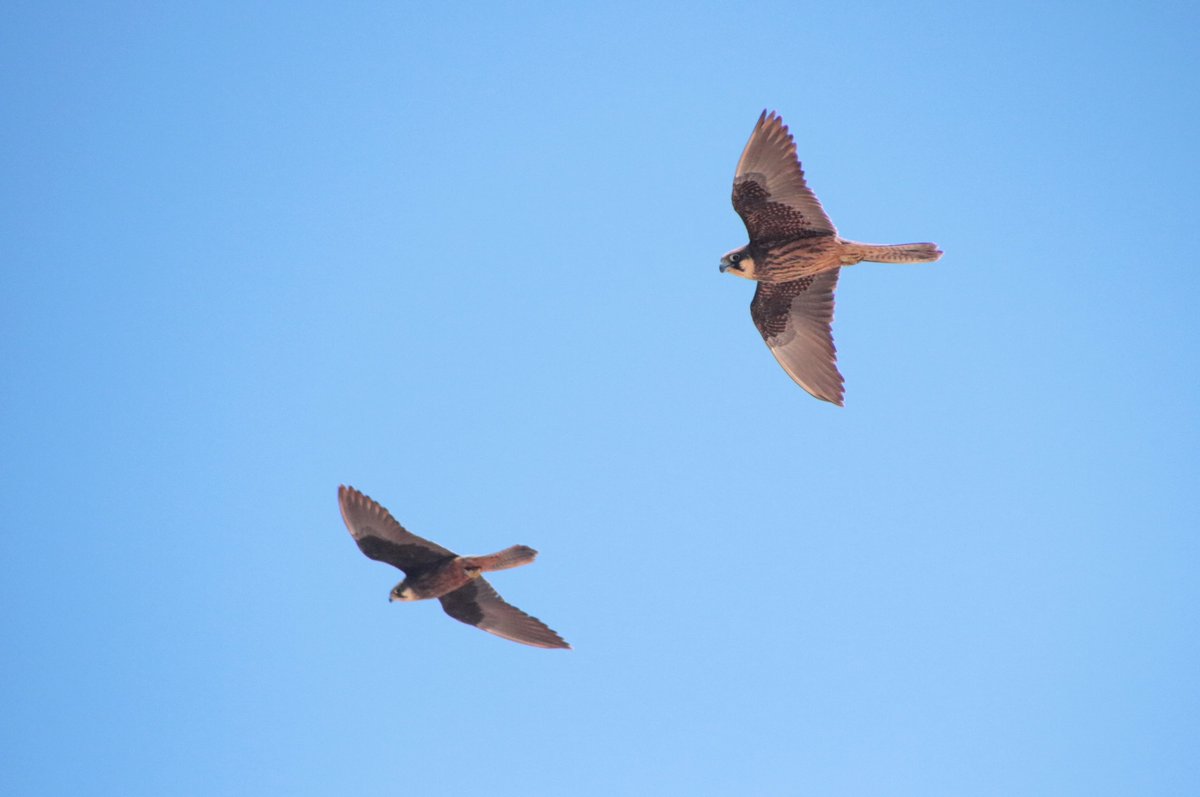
[432,571]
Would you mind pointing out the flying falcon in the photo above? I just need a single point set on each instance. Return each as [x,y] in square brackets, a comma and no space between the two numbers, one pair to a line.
[795,254]
[431,571]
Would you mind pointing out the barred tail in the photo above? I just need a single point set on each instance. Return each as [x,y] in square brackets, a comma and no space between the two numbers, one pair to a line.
[515,556]
[894,253]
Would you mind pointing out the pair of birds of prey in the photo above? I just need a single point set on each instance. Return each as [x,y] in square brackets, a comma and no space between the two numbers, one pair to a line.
[794,255]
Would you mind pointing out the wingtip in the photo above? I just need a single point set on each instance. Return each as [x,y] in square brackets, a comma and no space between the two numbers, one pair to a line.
[347,494]
[558,644]
[837,401]
[551,642]
[773,126]
[344,497]
[350,498]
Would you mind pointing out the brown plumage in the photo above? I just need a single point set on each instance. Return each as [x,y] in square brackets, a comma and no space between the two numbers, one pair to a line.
[432,571]
[795,254]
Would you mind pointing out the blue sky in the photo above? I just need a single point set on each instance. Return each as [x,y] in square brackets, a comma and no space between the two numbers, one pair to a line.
[465,260]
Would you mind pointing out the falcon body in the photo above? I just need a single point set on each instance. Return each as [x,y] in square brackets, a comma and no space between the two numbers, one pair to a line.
[446,575]
[432,571]
[795,255]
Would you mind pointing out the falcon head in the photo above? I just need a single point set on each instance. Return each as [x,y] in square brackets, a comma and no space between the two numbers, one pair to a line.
[402,592]
[739,262]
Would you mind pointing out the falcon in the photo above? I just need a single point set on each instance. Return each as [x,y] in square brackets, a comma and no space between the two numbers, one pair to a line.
[795,255]
[431,571]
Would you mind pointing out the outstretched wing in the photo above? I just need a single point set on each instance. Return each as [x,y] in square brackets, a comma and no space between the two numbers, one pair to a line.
[478,604]
[795,320]
[769,191]
[381,537]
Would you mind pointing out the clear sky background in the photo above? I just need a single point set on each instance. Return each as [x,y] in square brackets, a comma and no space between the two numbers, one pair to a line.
[465,260]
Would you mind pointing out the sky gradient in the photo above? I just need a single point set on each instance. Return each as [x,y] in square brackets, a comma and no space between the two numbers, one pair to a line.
[465,260]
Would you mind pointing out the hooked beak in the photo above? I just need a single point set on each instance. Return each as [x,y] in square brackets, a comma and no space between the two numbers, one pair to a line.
[724,266]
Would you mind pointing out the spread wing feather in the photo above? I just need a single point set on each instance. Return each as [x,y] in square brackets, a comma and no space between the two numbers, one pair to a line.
[380,537]
[769,191]
[479,605]
[795,319]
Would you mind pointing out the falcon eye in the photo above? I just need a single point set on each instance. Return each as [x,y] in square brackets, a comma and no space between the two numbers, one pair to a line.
[734,258]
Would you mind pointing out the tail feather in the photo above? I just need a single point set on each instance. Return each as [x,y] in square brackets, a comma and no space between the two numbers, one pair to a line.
[894,253]
[515,556]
